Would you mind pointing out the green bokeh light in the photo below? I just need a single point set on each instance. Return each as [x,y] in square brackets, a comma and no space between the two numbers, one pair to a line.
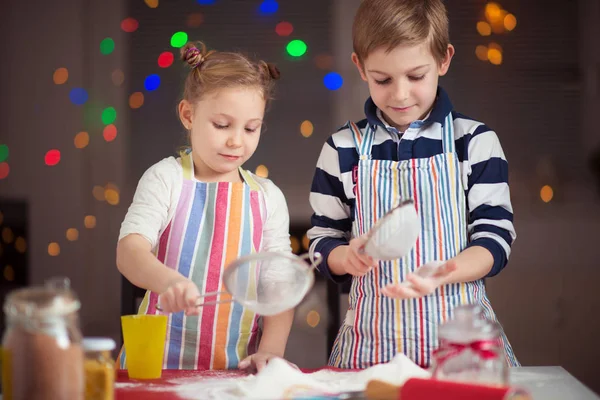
[3,152]
[179,39]
[296,48]
[109,115]
[107,46]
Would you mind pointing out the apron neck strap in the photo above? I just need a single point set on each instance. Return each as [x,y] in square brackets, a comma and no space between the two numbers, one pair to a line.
[448,134]
[362,141]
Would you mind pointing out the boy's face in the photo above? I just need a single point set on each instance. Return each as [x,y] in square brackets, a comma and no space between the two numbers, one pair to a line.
[403,82]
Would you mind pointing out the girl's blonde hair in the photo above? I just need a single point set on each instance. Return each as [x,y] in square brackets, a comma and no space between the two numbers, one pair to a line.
[214,70]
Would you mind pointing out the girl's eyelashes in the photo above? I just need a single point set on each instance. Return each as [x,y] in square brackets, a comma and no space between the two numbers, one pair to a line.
[219,126]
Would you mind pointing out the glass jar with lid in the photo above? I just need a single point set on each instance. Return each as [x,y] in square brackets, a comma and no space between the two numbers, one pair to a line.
[99,368]
[470,349]
[42,357]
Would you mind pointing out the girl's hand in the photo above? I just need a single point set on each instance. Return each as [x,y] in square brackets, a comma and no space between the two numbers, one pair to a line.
[417,286]
[180,296]
[257,361]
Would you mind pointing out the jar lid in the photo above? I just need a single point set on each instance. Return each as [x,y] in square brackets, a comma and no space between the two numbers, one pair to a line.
[468,325]
[98,344]
[53,299]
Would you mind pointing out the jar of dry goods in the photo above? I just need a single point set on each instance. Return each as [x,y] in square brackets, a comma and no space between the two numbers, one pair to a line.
[42,356]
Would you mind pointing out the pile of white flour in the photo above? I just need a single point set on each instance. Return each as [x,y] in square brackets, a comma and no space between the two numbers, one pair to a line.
[280,380]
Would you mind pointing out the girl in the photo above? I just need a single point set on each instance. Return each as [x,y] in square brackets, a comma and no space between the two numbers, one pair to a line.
[192,215]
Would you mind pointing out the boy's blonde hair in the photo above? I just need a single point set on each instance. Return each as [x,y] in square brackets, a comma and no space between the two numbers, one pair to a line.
[391,23]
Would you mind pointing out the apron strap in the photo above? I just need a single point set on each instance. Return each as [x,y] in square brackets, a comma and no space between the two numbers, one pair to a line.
[250,181]
[362,141]
[448,134]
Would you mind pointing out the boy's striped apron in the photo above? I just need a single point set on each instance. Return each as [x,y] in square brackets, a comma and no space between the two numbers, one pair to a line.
[378,327]
[214,224]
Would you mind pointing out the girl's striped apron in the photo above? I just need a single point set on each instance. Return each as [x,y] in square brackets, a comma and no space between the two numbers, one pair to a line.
[378,327]
[214,224]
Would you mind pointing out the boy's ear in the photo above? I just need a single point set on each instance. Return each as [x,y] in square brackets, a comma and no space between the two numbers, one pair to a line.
[359,65]
[186,112]
[445,64]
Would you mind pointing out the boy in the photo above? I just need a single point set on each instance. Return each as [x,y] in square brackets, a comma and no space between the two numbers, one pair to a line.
[411,145]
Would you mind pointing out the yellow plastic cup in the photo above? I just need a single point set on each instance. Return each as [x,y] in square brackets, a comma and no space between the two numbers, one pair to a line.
[144,337]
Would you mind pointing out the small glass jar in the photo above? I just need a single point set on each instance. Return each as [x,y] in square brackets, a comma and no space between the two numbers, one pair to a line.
[99,368]
[42,357]
[470,349]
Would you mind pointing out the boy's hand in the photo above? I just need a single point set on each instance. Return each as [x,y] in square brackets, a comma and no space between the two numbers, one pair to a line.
[351,259]
[257,361]
[181,295]
[417,286]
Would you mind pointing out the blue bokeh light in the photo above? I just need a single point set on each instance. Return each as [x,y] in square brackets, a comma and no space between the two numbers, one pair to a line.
[333,81]
[152,82]
[268,7]
[78,96]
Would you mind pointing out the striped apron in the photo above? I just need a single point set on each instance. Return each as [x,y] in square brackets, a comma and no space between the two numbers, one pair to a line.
[377,327]
[214,224]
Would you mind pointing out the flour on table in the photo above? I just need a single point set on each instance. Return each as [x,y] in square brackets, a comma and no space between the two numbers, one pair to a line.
[278,379]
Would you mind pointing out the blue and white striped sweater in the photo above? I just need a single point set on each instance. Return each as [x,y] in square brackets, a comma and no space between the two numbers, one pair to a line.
[483,168]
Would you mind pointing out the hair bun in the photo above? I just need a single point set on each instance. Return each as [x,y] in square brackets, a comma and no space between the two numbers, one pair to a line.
[192,55]
[273,71]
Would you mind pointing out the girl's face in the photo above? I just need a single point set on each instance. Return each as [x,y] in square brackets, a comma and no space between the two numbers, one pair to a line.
[225,128]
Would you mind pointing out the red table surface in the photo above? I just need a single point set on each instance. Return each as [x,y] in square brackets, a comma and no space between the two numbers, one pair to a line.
[158,389]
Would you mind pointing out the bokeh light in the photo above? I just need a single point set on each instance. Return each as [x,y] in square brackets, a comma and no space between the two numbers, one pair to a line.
[52,157]
[109,115]
[284,28]
[324,61]
[206,2]
[194,20]
[82,139]
[546,193]
[481,52]
[313,318]
[129,25]
[3,152]
[165,60]
[21,245]
[484,29]
[152,82]
[61,75]
[109,133]
[151,3]
[9,273]
[117,77]
[107,46]
[495,56]
[98,193]
[78,96]
[4,170]
[268,7]
[493,11]
[89,222]
[510,22]
[72,234]
[136,100]
[306,128]
[262,171]
[179,39]
[7,235]
[53,249]
[296,48]
[111,194]
[333,81]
